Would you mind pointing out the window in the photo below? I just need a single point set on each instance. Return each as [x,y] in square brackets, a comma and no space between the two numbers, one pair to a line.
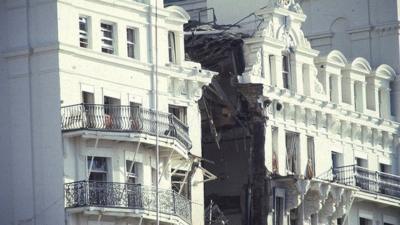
[109,102]
[292,146]
[275,153]
[97,167]
[362,162]
[107,38]
[384,168]
[153,177]
[279,205]
[83,32]
[171,47]
[286,71]
[87,97]
[311,157]
[131,42]
[132,172]
[364,221]
[336,159]
[179,181]
[179,112]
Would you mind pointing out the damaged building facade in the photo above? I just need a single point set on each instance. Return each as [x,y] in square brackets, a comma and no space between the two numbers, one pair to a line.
[329,139]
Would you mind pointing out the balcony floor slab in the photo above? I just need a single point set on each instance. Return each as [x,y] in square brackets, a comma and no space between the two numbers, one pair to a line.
[127,213]
[165,143]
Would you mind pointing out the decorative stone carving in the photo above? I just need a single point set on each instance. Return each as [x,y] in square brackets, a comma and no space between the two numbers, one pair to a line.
[195,89]
[293,197]
[325,214]
[256,68]
[357,132]
[344,205]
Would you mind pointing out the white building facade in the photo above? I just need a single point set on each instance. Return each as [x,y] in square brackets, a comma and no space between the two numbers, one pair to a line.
[335,138]
[96,75]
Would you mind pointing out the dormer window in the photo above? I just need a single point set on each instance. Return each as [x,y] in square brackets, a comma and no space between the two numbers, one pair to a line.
[171,47]
[286,71]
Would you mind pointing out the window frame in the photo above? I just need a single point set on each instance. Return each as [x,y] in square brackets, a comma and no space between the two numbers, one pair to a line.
[132,43]
[90,169]
[84,33]
[108,48]
[181,112]
[172,56]
[286,78]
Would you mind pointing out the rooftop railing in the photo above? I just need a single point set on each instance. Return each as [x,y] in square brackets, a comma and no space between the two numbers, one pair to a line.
[126,196]
[368,180]
[118,118]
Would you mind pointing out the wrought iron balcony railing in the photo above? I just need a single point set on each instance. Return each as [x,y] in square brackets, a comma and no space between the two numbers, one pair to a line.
[372,181]
[124,119]
[127,196]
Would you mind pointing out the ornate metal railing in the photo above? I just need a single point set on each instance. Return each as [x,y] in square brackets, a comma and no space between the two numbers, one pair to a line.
[128,196]
[372,181]
[124,119]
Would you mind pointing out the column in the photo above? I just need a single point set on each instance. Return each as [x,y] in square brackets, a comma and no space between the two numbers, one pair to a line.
[269,147]
[277,72]
[281,151]
[323,78]
[96,33]
[396,97]
[308,85]
[120,39]
[336,88]
[267,69]
[302,155]
[384,102]
[363,96]
[297,76]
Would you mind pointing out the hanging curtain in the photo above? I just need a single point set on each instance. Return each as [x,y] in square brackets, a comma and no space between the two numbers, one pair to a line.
[291,148]
[311,157]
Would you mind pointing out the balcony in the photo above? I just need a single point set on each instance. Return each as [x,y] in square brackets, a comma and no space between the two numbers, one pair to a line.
[126,196]
[370,181]
[115,118]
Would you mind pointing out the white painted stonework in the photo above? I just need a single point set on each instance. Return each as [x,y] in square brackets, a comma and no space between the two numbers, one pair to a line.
[342,105]
[44,65]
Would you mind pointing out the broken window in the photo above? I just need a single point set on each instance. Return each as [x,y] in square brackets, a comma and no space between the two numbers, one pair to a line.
[179,181]
[97,167]
[171,47]
[83,32]
[179,112]
[107,38]
[286,71]
[292,146]
[131,34]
